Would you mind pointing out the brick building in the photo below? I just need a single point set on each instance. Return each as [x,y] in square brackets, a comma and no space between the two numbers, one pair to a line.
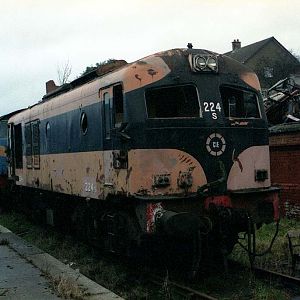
[285,162]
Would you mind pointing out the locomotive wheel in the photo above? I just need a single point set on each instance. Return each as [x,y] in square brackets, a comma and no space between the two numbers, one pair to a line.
[119,233]
[196,255]
[183,254]
[83,220]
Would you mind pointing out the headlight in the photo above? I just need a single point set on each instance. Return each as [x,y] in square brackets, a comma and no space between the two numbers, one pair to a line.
[200,62]
[212,63]
[203,63]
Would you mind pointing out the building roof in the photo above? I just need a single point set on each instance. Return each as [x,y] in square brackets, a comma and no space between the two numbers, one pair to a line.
[245,53]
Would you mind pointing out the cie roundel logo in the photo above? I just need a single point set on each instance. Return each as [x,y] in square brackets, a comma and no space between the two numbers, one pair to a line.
[215,144]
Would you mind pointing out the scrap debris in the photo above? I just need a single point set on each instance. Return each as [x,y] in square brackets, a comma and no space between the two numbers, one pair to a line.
[282,104]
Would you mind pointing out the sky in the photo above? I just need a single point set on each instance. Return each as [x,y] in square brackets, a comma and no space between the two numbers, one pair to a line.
[37,37]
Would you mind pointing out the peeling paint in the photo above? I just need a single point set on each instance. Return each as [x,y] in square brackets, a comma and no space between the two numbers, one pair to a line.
[128,174]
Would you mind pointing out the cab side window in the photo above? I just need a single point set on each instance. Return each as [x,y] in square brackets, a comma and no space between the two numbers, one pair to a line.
[118,105]
[239,103]
[107,114]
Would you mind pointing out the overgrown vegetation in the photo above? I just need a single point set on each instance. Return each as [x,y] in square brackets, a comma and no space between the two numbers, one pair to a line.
[123,280]
[97,65]
[279,257]
[66,288]
[114,276]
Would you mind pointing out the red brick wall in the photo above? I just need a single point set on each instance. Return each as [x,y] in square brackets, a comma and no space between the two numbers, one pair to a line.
[285,171]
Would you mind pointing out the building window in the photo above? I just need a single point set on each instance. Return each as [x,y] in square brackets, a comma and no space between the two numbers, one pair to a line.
[268,72]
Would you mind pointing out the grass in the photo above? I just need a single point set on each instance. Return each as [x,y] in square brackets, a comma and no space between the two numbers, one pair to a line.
[114,276]
[121,279]
[66,288]
[279,257]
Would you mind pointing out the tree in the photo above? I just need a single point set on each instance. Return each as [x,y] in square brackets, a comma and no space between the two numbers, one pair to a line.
[97,65]
[63,72]
[297,55]
[270,70]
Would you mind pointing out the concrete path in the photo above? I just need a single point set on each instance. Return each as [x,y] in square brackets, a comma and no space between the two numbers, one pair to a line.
[21,273]
[21,280]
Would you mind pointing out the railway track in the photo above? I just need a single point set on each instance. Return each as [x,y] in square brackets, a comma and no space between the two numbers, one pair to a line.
[272,275]
[180,290]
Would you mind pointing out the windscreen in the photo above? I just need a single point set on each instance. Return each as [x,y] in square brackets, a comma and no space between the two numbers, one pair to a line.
[239,103]
[173,102]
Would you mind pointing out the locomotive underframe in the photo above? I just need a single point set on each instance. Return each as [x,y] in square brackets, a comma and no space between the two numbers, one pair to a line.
[126,226]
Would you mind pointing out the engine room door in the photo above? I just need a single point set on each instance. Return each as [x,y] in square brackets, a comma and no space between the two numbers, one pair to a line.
[112,119]
[16,148]
[12,169]
[107,105]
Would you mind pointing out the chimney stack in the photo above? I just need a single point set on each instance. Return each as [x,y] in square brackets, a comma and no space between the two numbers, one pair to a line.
[236,44]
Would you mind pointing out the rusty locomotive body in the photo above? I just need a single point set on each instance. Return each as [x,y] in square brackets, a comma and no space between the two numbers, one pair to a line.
[174,145]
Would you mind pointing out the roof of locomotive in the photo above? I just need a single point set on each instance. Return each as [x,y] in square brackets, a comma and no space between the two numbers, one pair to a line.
[116,65]
[166,61]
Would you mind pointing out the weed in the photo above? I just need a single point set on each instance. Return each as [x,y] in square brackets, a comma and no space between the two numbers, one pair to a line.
[279,258]
[67,289]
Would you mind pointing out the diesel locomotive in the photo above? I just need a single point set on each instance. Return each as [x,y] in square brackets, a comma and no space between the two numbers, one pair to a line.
[172,147]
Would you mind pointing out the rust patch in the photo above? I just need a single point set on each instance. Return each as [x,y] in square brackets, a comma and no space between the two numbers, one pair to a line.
[237,123]
[251,79]
[237,160]
[128,174]
[141,62]
[143,192]
[58,187]
[100,179]
[152,72]
[185,159]
[138,78]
